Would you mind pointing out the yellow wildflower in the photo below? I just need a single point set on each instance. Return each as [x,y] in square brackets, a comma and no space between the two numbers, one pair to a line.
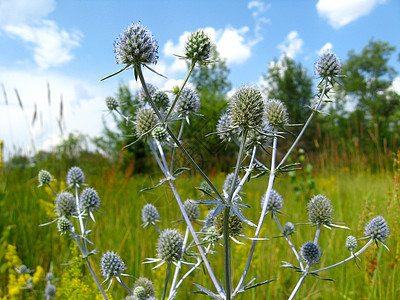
[12,257]
[38,276]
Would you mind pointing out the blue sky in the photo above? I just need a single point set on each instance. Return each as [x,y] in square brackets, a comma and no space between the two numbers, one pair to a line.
[69,45]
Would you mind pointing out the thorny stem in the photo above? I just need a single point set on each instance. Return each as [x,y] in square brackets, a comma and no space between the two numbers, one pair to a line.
[79,214]
[170,132]
[166,281]
[317,106]
[190,226]
[289,241]
[349,258]
[178,267]
[262,217]
[124,285]
[246,175]
[227,242]
[192,65]
[51,188]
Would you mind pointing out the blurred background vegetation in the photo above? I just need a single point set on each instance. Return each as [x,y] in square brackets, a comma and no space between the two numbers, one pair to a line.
[351,154]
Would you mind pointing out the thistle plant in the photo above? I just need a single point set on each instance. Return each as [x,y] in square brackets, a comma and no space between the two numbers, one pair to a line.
[256,125]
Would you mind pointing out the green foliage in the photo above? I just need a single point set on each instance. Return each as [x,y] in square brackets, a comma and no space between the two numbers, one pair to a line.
[289,82]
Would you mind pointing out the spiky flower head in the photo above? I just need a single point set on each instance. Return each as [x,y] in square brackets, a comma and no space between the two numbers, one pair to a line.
[142,96]
[235,225]
[150,214]
[75,176]
[229,182]
[147,284]
[192,209]
[159,133]
[49,277]
[169,245]
[320,210]
[161,100]
[50,290]
[23,269]
[288,229]
[351,243]
[65,204]
[44,177]
[140,293]
[188,102]
[377,229]
[111,103]
[206,187]
[275,202]
[226,131]
[64,225]
[198,46]
[111,265]
[247,108]
[209,221]
[276,113]
[89,198]
[136,46]
[328,65]
[311,253]
[145,121]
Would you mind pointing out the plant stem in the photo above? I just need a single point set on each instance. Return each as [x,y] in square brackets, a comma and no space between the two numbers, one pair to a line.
[262,217]
[317,106]
[347,259]
[289,241]
[192,65]
[166,281]
[179,138]
[178,267]
[124,285]
[297,287]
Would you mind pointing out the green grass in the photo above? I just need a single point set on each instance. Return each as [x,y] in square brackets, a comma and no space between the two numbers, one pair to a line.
[356,197]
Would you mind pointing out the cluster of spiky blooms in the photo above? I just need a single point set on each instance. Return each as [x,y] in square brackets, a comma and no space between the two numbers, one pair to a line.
[44,177]
[150,214]
[276,113]
[161,100]
[192,209]
[377,229]
[320,210]
[89,198]
[65,204]
[64,225]
[75,176]
[247,108]
[235,225]
[145,121]
[111,103]
[225,129]
[311,253]
[328,65]
[147,285]
[288,229]
[169,245]
[275,202]
[228,183]
[188,102]
[351,243]
[111,265]
[142,96]
[136,46]
[198,46]
[159,133]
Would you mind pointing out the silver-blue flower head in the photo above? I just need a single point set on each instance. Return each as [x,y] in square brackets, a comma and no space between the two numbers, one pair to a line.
[328,65]
[111,264]
[377,229]
[311,253]
[136,46]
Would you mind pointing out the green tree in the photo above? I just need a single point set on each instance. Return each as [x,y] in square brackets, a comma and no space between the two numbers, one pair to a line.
[289,82]
[367,87]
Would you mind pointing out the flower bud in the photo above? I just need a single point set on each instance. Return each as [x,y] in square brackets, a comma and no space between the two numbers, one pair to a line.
[161,100]
[64,225]
[288,229]
[328,65]
[147,285]
[169,245]
[150,214]
[276,113]
[159,133]
[111,103]
[145,121]
[140,293]
[320,210]
[44,177]
[311,253]
[198,46]
[192,209]
[351,243]
[377,229]
[75,176]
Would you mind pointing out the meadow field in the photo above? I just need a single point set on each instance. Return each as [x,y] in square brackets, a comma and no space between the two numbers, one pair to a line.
[357,195]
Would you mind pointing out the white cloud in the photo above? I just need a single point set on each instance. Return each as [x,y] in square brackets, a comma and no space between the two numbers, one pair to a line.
[83,108]
[341,12]
[51,46]
[16,12]
[233,46]
[258,9]
[292,45]
[396,85]
[327,47]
